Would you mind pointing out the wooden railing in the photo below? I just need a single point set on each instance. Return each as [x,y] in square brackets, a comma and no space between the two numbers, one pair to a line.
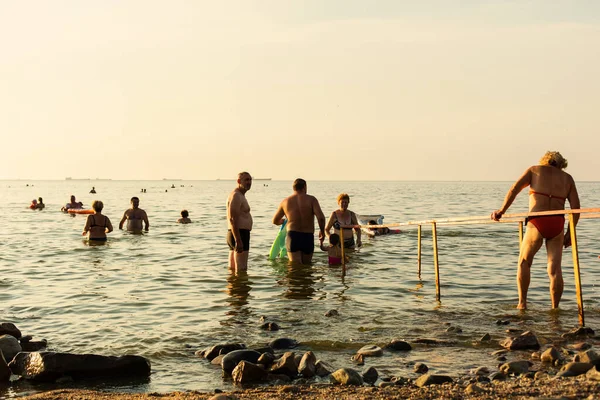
[585,213]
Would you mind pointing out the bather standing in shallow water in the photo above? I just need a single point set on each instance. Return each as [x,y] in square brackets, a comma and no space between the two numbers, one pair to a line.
[550,187]
[134,217]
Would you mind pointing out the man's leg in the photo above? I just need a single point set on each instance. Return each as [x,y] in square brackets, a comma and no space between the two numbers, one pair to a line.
[295,257]
[554,247]
[531,244]
[232,259]
[307,258]
[241,261]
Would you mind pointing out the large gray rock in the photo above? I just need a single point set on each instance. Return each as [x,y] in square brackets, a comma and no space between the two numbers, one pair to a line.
[286,365]
[4,370]
[246,372]
[398,345]
[589,356]
[550,355]
[426,380]
[527,340]
[49,366]
[593,373]
[231,359]
[307,367]
[283,343]
[515,367]
[218,349]
[322,368]
[34,345]
[582,331]
[370,375]
[370,351]
[8,328]
[9,345]
[576,368]
[347,376]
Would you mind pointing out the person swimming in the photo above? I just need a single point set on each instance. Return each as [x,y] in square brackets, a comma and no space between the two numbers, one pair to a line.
[75,205]
[184,217]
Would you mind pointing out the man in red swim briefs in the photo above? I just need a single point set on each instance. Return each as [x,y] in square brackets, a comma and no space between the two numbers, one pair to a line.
[550,187]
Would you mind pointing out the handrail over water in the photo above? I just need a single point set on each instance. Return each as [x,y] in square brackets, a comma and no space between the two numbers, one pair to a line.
[588,213]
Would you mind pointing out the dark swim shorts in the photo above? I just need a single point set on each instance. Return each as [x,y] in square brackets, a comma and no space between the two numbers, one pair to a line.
[300,241]
[244,234]
[349,243]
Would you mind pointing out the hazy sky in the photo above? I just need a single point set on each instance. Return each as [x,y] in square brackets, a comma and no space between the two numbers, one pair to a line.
[381,90]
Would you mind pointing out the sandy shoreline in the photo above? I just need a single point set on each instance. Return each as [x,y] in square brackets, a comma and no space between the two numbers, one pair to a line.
[521,388]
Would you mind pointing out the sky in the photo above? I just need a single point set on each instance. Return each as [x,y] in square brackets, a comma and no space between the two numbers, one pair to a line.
[318,89]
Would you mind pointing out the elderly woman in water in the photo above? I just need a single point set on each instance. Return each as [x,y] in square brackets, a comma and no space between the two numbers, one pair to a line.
[343,217]
[550,188]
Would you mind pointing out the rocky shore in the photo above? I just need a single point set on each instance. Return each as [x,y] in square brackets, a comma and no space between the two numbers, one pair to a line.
[525,388]
[566,367]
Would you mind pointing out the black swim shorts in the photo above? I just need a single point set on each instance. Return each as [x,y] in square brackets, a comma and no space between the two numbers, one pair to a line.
[244,234]
[300,241]
[349,243]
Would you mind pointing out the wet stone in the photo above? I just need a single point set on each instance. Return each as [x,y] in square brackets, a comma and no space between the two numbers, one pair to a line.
[370,351]
[8,328]
[307,366]
[527,340]
[358,359]
[515,367]
[576,368]
[550,355]
[485,338]
[398,345]
[332,313]
[283,343]
[502,322]
[370,375]
[420,368]
[426,380]
[9,346]
[231,360]
[347,376]
[269,326]
[246,372]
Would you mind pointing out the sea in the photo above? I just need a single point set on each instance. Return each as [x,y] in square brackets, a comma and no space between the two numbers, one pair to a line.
[167,293]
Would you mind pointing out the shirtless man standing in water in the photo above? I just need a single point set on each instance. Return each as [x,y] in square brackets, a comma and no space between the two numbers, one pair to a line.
[134,217]
[239,223]
[300,209]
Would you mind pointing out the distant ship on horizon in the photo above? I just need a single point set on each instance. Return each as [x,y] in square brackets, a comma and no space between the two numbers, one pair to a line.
[256,179]
[68,178]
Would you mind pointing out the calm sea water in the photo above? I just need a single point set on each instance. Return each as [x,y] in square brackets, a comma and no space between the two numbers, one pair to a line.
[168,293]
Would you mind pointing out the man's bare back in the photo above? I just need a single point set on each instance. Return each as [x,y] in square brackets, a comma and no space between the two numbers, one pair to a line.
[300,209]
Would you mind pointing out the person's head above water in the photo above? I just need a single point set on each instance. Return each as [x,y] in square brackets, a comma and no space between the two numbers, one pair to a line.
[72,198]
[299,185]
[244,181]
[97,205]
[135,202]
[34,201]
[554,159]
[40,200]
[184,213]
[334,239]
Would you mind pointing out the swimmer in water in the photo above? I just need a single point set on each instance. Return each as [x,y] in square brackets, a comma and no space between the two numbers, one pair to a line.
[134,217]
[40,204]
[97,225]
[184,217]
[75,205]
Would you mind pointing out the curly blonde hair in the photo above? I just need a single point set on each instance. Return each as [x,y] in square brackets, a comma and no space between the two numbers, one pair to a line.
[554,159]
[343,196]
